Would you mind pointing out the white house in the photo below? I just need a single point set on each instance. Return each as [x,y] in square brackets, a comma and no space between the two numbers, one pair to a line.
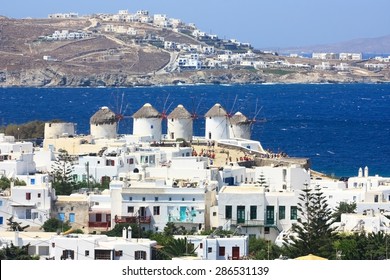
[16,157]
[217,247]
[153,205]
[31,204]
[101,247]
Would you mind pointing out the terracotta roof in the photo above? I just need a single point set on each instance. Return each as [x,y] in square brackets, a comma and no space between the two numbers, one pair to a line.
[146,111]
[179,113]
[103,116]
[216,111]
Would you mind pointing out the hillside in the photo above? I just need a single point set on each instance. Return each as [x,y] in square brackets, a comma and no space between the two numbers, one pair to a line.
[109,51]
[379,45]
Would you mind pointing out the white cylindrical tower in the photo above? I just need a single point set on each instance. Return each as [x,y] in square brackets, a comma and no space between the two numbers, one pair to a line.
[147,122]
[216,123]
[103,124]
[239,126]
[366,171]
[55,130]
[180,124]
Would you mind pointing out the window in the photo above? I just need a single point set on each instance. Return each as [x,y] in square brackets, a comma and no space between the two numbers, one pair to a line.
[170,199]
[1,220]
[376,198]
[130,209]
[1,203]
[130,198]
[67,254]
[266,230]
[228,212]
[61,216]
[28,214]
[43,250]
[143,199]
[214,214]
[86,253]
[119,253]
[72,217]
[282,212]
[294,213]
[201,245]
[140,255]
[253,213]
[98,217]
[71,208]
[210,249]
[156,198]
[156,210]
[221,251]
[193,199]
[103,255]
[32,181]
[182,199]
[28,196]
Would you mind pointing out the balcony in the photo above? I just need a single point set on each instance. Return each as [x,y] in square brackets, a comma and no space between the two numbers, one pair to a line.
[248,223]
[99,224]
[132,219]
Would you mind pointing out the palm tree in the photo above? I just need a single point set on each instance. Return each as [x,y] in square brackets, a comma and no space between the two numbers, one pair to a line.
[179,247]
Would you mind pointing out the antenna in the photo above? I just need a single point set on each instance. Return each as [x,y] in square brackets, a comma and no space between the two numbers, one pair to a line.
[119,110]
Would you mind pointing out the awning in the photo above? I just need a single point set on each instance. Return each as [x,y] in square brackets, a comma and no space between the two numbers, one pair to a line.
[23,205]
[311,257]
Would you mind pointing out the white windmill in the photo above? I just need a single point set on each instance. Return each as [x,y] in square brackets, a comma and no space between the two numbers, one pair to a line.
[147,122]
[216,123]
[103,124]
[180,124]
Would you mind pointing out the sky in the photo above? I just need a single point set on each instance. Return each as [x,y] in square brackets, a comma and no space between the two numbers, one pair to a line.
[273,24]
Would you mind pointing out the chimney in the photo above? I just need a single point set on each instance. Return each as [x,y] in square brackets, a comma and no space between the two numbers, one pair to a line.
[129,233]
[124,233]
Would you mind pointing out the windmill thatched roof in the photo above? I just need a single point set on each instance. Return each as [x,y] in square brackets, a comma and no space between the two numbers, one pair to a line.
[146,111]
[179,113]
[216,111]
[103,116]
[239,119]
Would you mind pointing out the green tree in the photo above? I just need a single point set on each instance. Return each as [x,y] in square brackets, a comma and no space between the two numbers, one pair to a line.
[263,249]
[53,225]
[13,252]
[376,246]
[62,170]
[313,231]
[262,182]
[343,208]
[5,183]
[346,247]
[15,226]
[136,231]
[179,247]
[172,229]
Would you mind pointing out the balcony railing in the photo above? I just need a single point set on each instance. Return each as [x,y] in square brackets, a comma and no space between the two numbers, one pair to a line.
[248,222]
[99,224]
[132,219]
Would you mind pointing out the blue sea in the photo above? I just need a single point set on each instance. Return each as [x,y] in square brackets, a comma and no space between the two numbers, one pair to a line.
[340,127]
